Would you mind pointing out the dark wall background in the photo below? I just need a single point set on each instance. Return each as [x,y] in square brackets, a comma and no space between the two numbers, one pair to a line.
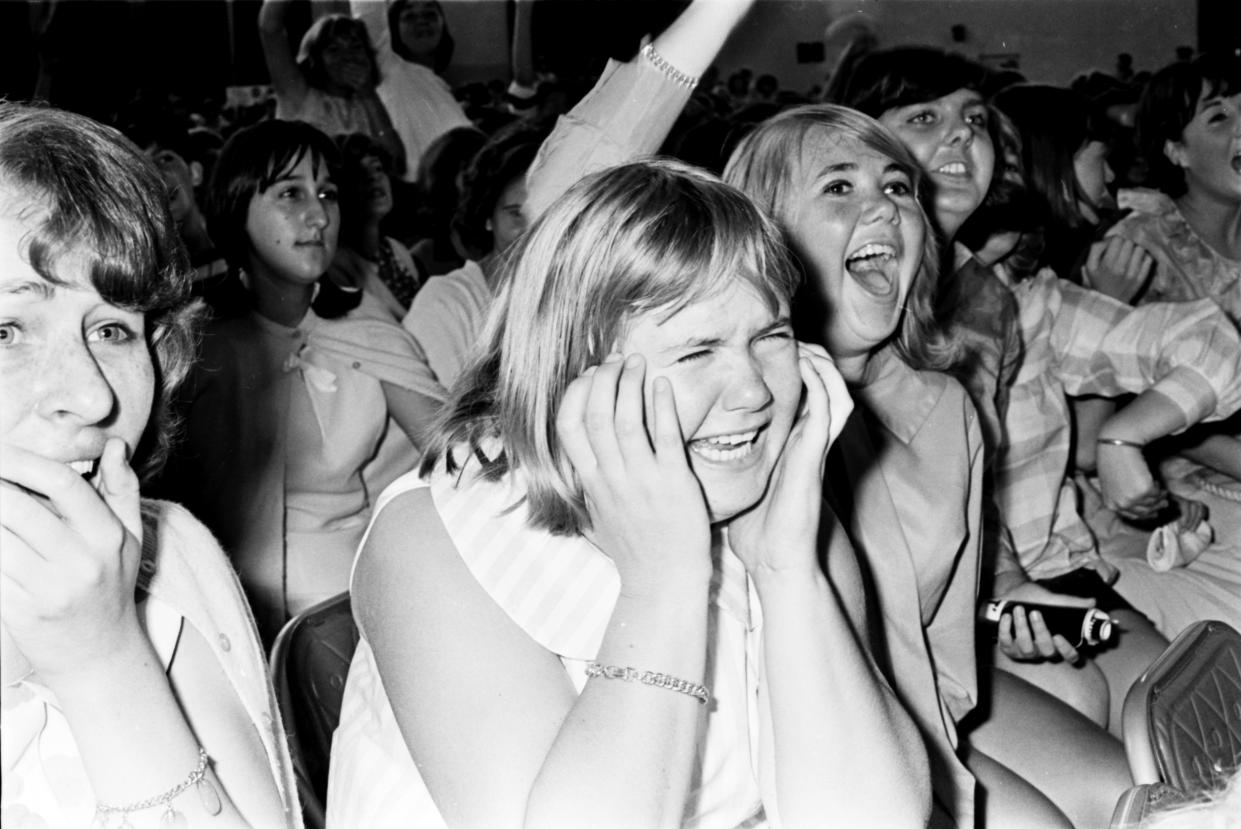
[101,51]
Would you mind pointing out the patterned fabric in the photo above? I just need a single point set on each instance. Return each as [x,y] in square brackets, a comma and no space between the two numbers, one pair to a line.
[398,271]
[1186,268]
[983,316]
[388,285]
[561,591]
[1080,342]
[183,578]
[905,478]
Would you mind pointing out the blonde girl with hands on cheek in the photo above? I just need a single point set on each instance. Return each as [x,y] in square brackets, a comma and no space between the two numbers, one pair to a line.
[134,688]
[614,612]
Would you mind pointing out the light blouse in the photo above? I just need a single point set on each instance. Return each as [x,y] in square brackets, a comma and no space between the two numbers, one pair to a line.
[280,424]
[905,478]
[183,578]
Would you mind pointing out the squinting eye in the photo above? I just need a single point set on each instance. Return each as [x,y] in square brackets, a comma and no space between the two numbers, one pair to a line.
[782,335]
[693,356]
[837,188]
[922,117]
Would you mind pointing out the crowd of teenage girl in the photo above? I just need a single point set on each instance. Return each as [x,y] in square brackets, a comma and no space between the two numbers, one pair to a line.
[669,439]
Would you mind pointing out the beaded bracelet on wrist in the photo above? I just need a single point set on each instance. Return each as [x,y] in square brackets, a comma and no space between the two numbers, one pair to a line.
[661,63]
[652,678]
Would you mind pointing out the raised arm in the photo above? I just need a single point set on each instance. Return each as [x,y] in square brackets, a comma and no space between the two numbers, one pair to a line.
[633,106]
[287,79]
[522,57]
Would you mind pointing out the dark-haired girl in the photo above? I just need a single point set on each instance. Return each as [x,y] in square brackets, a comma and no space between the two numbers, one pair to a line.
[286,407]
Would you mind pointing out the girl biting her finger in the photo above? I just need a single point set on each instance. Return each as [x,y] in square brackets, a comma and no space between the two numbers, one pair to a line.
[134,688]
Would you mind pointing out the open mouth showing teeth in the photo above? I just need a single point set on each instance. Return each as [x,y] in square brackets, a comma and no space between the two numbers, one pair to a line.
[874,267]
[725,448]
[954,168]
[84,468]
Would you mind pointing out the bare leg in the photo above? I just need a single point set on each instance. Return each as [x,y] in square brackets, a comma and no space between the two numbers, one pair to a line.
[1139,645]
[1082,687]
[1006,800]
[1074,762]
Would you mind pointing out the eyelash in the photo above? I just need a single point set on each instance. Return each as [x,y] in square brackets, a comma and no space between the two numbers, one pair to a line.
[692,357]
[126,334]
[782,335]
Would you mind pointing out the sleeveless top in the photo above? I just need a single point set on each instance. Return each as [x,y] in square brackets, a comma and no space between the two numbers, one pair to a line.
[561,591]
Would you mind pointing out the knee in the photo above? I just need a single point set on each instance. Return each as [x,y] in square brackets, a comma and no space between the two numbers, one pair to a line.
[1087,690]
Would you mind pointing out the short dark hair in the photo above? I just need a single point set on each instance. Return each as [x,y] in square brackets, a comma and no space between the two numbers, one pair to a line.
[106,200]
[310,52]
[355,148]
[1169,103]
[889,78]
[439,176]
[443,49]
[251,161]
[505,156]
[1054,123]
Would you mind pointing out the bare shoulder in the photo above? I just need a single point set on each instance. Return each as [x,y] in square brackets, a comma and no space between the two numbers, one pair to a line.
[407,546]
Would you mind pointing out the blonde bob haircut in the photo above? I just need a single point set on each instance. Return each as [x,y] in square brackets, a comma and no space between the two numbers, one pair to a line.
[649,237]
[765,165]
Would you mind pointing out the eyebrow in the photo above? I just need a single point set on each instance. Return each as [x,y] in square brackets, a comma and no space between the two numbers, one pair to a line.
[43,289]
[711,342]
[838,167]
[849,166]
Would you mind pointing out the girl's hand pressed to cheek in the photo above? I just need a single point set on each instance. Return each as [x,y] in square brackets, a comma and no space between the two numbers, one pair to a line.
[780,534]
[646,507]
